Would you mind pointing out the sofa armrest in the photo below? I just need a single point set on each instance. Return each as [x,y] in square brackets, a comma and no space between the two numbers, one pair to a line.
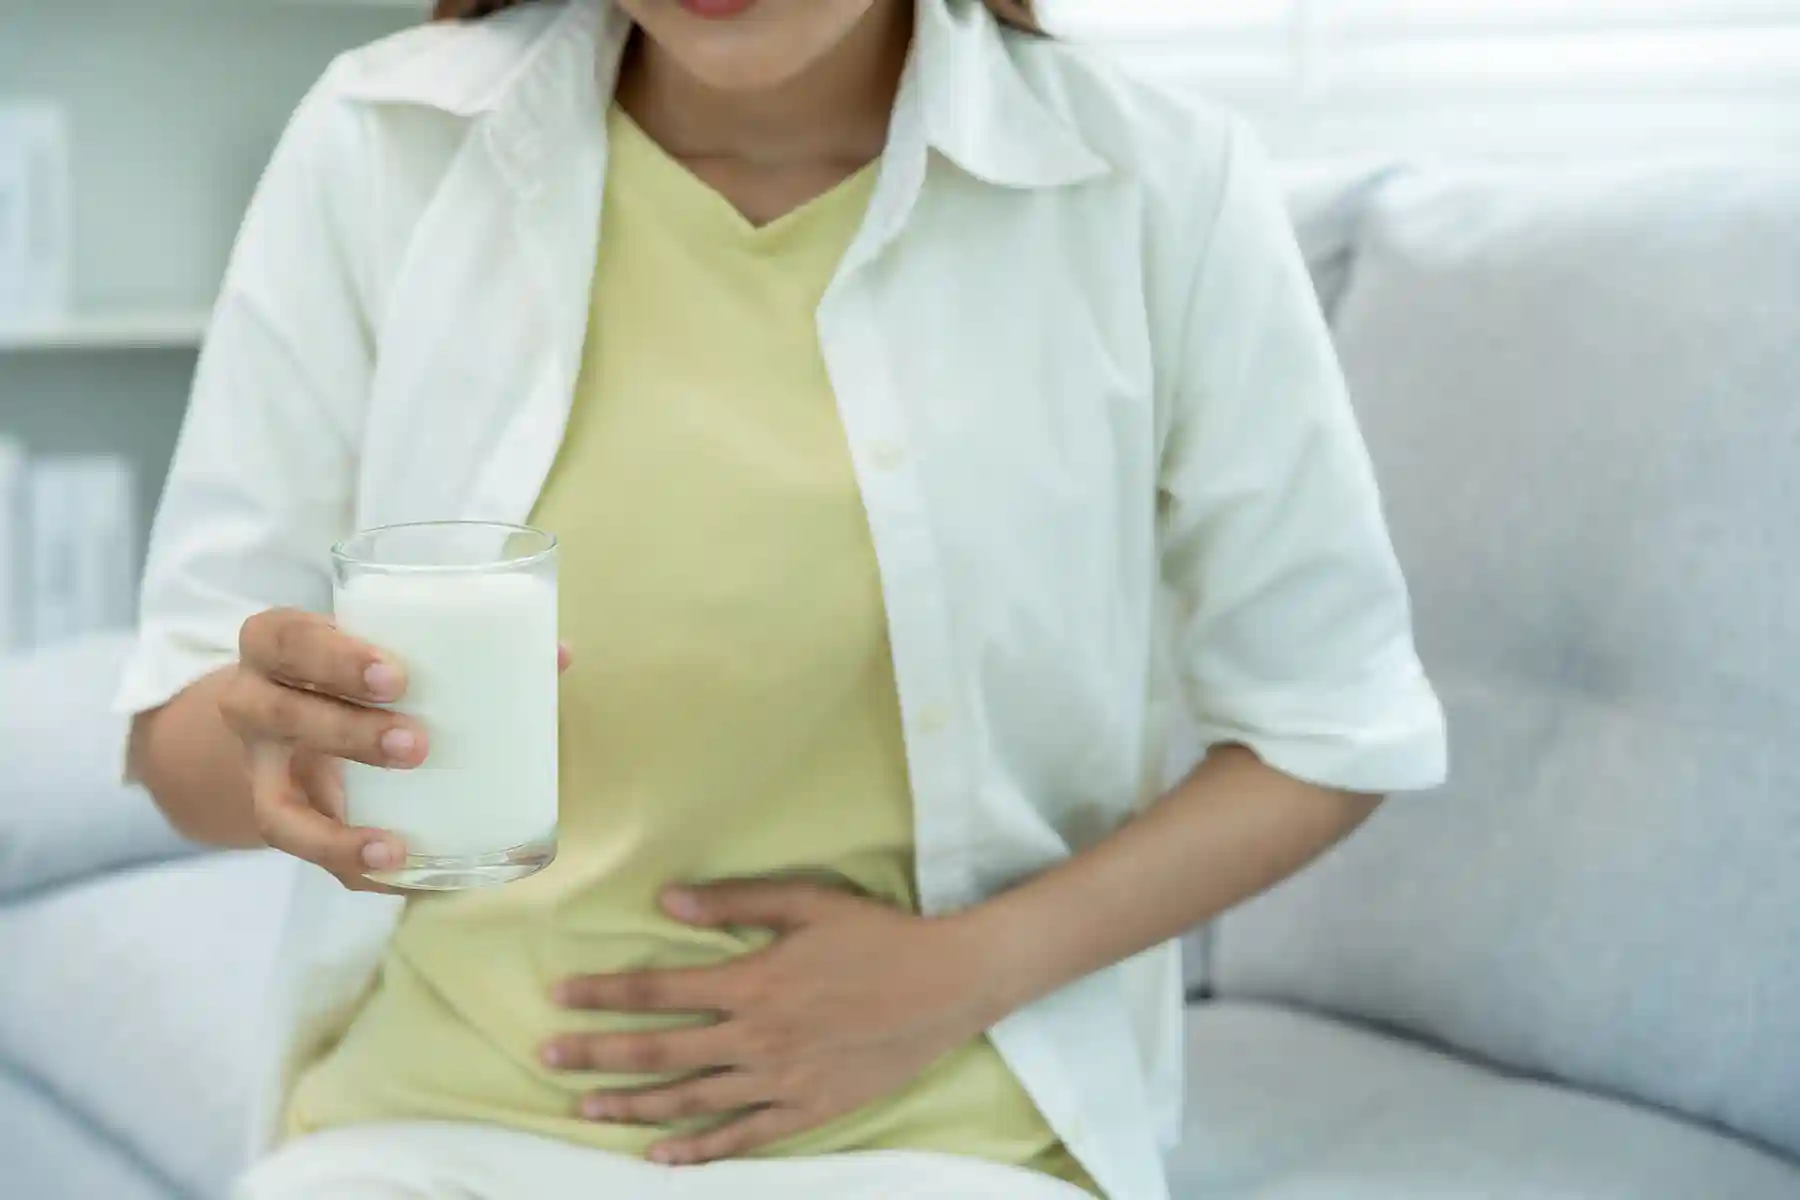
[64,814]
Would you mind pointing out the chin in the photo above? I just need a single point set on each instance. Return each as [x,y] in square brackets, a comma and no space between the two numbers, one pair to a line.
[771,44]
[736,61]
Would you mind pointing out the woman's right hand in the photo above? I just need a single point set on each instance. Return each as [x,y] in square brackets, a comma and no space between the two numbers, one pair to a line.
[301,701]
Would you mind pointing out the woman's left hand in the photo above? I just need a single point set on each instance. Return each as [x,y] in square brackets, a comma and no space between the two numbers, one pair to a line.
[851,1002]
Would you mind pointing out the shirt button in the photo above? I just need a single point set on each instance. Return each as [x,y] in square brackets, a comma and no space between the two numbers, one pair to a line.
[934,719]
[887,455]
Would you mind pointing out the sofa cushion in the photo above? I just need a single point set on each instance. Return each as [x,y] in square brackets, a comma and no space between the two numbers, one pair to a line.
[48,1154]
[1583,394]
[64,814]
[1284,1106]
[1327,202]
[139,1000]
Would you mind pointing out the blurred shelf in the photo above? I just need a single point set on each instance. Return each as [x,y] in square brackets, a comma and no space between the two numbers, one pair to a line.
[125,329]
[416,6]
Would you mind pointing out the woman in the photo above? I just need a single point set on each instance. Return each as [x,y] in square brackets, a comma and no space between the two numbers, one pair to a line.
[921,409]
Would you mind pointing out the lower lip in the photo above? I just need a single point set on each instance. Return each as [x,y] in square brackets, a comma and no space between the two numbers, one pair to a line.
[717,10]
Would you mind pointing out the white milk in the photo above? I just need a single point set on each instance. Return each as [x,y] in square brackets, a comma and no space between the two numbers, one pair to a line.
[480,653]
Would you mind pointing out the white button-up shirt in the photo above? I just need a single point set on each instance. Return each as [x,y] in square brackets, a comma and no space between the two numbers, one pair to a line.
[1103,443]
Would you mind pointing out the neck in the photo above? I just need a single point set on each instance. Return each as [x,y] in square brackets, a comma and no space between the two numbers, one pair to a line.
[836,110]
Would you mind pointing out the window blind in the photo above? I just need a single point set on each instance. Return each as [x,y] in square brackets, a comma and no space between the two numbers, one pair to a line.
[1491,76]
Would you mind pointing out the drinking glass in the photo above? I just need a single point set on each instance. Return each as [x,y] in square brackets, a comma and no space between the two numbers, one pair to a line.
[469,610]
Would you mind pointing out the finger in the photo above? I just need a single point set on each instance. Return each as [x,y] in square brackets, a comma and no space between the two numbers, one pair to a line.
[668,1052]
[564,657]
[734,1139]
[290,824]
[259,709]
[716,1095]
[780,906]
[308,651]
[695,990]
[322,779]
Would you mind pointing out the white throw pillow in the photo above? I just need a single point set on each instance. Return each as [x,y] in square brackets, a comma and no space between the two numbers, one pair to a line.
[1328,202]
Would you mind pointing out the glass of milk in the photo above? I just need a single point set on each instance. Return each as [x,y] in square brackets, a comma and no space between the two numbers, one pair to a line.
[469,609]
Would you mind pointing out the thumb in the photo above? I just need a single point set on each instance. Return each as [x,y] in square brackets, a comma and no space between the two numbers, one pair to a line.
[762,904]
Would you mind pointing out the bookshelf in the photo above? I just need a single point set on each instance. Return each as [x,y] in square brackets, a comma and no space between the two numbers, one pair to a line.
[172,108]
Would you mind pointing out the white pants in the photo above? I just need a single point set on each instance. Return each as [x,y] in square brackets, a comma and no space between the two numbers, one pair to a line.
[437,1161]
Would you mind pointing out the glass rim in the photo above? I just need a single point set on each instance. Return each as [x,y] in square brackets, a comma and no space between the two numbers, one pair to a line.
[547,545]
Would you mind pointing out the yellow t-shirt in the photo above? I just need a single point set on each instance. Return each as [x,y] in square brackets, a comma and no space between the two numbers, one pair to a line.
[732,711]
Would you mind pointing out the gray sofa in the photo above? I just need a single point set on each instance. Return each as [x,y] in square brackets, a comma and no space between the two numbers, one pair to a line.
[1574,974]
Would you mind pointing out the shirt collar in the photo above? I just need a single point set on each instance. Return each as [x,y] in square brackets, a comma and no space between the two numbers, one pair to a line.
[532,66]
[981,113]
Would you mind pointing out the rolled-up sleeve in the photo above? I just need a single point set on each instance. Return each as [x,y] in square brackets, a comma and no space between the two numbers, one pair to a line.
[1293,624]
[263,477]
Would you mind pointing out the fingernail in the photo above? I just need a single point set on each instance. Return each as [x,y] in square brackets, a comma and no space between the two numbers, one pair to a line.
[662,1156]
[383,683]
[593,1108]
[399,744]
[683,906]
[554,1056]
[379,856]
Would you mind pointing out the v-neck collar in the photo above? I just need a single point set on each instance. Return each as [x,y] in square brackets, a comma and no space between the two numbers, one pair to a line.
[707,213]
